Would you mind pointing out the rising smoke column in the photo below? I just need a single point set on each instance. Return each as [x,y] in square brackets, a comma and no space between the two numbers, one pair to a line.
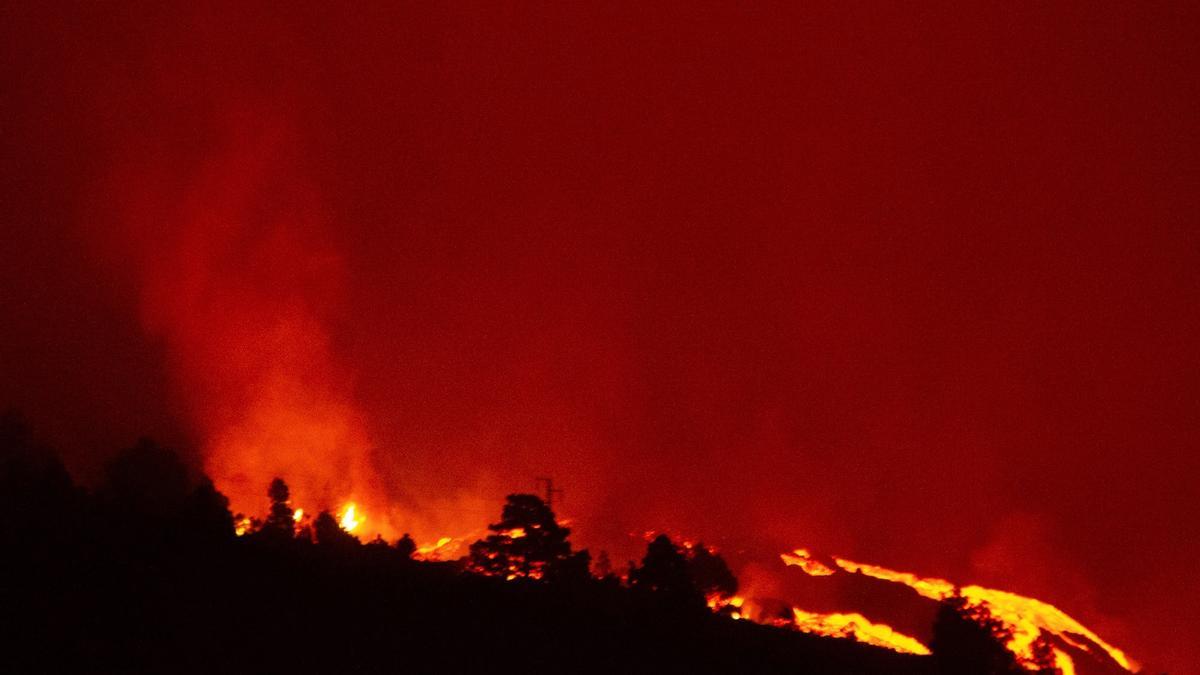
[237,271]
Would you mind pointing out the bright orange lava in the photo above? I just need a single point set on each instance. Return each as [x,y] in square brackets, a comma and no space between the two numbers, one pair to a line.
[860,628]
[1026,618]
[803,559]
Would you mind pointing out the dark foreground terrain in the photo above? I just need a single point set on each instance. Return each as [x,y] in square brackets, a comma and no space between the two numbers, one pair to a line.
[145,574]
[256,611]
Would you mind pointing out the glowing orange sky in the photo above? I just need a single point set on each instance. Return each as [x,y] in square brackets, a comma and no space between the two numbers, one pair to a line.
[918,286]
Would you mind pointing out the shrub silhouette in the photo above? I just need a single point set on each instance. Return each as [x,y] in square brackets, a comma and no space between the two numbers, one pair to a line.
[405,546]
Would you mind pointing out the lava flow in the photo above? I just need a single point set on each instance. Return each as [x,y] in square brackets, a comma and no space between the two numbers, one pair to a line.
[1025,619]
[860,628]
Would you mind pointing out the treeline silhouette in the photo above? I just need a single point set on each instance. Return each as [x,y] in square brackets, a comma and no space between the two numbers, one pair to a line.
[146,574]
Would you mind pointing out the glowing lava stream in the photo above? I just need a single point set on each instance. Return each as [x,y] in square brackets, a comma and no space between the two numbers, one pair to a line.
[432,551]
[860,628]
[803,559]
[1025,617]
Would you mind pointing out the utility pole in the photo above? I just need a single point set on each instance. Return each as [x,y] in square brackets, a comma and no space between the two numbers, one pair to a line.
[550,491]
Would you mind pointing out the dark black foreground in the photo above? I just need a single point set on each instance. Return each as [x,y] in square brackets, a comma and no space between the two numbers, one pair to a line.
[251,609]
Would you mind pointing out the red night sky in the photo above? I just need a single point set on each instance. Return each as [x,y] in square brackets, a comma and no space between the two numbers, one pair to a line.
[917,285]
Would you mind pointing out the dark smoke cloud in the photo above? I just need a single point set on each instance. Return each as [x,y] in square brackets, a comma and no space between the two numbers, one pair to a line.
[916,288]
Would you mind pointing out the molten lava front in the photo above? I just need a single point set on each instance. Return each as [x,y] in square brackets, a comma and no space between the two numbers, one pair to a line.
[803,559]
[860,628]
[1026,619]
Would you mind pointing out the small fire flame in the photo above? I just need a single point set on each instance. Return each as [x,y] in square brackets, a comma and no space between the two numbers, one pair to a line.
[351,517]
[243,525]
[298,515]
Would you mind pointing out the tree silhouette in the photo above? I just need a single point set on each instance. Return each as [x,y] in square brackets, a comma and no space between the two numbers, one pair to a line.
[38,501]
[146,482]
[330,535]
[405,546]
[145,498]
[527,543]
[664,570]
[206,514]
[573,569]
[280,523]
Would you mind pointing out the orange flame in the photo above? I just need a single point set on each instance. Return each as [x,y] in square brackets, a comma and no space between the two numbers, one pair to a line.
[732,605]
[351,517]
[242,526]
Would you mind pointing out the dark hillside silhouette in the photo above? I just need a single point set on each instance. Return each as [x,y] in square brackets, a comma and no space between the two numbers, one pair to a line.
[147,575]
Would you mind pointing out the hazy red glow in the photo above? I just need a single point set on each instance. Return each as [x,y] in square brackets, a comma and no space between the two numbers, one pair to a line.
[916,286]
[237,274]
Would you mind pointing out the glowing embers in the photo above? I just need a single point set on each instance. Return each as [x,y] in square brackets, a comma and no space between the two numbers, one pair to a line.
[857,626]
